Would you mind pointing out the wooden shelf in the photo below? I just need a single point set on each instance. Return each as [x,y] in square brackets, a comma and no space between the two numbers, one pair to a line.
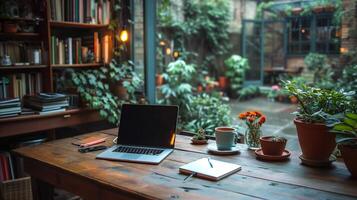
[24,36]
[22,67]
[87,65]
[75,25]
[32,123]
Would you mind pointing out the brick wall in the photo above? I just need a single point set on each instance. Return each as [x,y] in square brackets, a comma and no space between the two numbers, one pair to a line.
[349,26]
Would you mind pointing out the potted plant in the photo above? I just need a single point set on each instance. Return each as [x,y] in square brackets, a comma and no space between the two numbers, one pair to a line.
[200,137]
[254,120]
[159,79]
[346,130]
[273,145]
[316,142]
[223,82]
[235,70]
[95,88]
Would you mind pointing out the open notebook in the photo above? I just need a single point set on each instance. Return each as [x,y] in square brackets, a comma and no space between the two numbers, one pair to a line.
[203,169]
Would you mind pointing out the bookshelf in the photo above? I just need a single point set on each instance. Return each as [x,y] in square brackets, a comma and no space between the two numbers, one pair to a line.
[52,37]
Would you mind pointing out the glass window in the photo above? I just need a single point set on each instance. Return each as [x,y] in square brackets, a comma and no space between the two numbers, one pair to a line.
[313,33]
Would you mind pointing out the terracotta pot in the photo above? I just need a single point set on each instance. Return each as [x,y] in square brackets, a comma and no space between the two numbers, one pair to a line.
[9,27]
[199,89]
[349,153]
[120,91]
[297,11]
[270,147]
[315,141]
[223,82]
[293,100]
[318,9]
[159,79]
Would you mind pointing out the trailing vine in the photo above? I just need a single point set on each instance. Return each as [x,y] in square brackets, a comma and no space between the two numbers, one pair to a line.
[205,23]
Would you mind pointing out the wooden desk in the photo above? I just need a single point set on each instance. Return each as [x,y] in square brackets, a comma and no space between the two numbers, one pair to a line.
[59,164]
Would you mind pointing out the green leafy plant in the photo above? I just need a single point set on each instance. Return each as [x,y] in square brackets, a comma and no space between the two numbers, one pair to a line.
[345,127]
[235,70]
[94,88]
[315,103]
[200,135]
[319,65]
[177,89]
[248,92]
[348,81]
[279,139]
[207,112]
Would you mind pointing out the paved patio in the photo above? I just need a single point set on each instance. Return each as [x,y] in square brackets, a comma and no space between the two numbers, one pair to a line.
[279,118]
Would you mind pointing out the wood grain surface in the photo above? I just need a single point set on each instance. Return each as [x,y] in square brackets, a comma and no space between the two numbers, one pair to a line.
[61,165]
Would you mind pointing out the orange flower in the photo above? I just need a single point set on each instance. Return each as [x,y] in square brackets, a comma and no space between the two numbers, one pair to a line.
[258,113]
[242,116]
[250,119]
[262,120]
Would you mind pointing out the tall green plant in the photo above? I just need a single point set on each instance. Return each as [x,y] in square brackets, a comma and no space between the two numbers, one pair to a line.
[177,89]
[235,70]
[319,65]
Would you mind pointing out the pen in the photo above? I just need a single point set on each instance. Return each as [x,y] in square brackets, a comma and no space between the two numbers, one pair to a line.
[192,174]
[209,161]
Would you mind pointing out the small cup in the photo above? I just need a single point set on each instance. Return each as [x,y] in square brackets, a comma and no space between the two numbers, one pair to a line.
[225,137]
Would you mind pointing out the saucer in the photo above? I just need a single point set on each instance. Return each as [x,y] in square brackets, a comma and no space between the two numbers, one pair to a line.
[260,155]
[212,148]
[317,163]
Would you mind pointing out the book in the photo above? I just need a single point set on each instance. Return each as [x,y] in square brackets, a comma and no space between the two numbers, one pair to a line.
[51,111]
[209,169]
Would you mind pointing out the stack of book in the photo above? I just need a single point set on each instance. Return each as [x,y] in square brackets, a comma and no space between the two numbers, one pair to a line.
[82,11]
[10,107]
[46,103]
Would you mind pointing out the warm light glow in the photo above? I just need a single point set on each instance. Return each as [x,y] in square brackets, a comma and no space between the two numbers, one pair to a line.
[176,54]
[303,30]
[172,141]
[124,35]
[168,51]
[343,50]
[162,43]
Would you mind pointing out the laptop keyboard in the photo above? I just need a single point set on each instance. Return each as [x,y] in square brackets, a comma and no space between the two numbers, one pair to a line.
[138,150]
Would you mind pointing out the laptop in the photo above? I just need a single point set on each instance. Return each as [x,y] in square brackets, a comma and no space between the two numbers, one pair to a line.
[146,134]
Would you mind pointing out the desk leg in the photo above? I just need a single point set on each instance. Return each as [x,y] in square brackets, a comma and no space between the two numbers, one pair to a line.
[42,190]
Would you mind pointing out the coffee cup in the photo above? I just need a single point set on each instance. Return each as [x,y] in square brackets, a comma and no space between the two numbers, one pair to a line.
[225,137]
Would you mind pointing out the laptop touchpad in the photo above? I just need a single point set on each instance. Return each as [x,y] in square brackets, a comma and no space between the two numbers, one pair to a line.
[130,156]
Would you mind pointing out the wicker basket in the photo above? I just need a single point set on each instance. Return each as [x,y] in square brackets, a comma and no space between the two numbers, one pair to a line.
[17,189]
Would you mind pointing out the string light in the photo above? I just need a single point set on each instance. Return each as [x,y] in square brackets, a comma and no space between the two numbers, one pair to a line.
[168,51]
[124,35]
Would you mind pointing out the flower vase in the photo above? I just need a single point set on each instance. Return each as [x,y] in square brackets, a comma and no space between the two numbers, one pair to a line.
[252,138]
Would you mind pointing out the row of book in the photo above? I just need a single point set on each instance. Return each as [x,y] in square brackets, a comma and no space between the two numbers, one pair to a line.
[10,107]
[22,53]
[82,11]
[86,49]
[18,85]
[6,167]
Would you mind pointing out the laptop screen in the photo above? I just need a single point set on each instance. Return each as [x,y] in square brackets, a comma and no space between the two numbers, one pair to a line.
[148,125]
